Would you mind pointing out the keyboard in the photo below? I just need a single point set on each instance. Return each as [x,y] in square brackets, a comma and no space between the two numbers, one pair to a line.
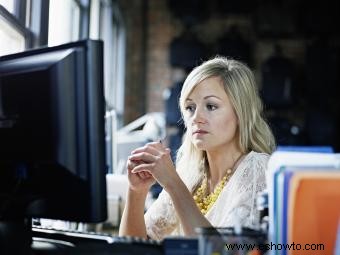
[55,241]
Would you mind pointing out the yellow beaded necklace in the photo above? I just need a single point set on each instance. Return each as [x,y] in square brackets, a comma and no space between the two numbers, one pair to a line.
[205,202]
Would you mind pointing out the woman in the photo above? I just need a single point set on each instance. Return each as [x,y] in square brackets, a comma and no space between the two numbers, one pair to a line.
[220,166]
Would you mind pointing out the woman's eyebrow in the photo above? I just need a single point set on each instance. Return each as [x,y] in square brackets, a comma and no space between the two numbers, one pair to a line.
[206,97]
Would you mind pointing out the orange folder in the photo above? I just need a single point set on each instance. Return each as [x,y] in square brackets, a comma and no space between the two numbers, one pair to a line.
[313,212]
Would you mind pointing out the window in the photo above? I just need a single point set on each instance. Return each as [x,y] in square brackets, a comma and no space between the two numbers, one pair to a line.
[107,24]
[64,21]
[13,33]
[11,39]
[8,5]
[23,25]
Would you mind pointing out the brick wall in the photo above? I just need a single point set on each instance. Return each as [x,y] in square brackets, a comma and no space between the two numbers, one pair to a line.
[150,28]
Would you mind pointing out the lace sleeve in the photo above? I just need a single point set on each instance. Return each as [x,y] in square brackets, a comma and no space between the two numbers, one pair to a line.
[238,199]
[161,218]
[255,177]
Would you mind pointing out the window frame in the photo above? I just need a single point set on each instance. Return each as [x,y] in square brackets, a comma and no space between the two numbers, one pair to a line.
[17,24]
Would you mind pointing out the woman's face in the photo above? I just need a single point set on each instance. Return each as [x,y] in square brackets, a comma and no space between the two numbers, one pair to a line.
[210,118]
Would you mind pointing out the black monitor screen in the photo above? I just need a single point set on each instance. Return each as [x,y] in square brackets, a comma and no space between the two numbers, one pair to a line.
[52,137]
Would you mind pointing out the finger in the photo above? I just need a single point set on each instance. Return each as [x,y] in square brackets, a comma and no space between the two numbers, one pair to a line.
[143,167]
[147,148]
[158,145]
[141,175]
[153,148]
[143,157]
[144,175]
[148,174]
[131,164]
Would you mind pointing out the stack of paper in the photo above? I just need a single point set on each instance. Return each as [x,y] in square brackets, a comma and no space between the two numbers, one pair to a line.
[304,202]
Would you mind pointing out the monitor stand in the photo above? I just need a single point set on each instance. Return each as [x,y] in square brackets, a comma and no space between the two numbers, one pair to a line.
[15,236]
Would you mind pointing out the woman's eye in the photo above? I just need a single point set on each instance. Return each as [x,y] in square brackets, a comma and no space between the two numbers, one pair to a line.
[211,107]
[190,108]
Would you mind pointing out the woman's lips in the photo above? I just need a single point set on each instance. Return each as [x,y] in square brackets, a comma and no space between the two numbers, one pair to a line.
[200,132]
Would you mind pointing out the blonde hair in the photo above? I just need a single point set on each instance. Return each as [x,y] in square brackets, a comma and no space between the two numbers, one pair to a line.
[239,84]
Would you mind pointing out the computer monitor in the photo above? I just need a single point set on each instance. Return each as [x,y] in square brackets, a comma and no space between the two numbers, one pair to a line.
[52,134]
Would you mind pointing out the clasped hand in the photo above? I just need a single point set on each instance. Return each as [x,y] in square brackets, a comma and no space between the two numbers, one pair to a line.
[151,163]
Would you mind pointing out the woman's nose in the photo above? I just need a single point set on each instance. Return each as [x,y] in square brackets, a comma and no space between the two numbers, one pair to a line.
[198,116]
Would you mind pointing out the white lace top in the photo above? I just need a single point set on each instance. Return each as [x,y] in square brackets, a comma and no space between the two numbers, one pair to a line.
[234,206]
